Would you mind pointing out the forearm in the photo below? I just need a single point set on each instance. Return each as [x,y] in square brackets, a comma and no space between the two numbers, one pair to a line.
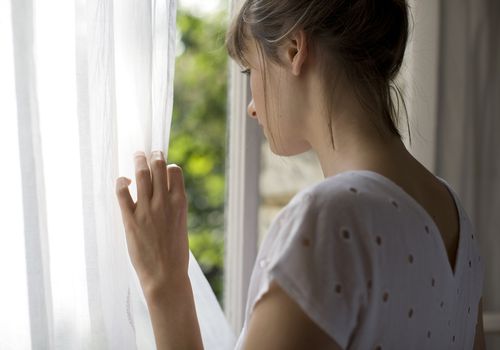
[173,315]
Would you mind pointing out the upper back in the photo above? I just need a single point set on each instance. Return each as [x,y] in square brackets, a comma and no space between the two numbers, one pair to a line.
[367,263]
[426,278]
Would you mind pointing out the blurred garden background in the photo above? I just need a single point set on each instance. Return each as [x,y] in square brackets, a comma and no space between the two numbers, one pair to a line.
[198,133]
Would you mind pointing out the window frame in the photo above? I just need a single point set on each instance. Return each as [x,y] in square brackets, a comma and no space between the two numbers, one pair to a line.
[242,196]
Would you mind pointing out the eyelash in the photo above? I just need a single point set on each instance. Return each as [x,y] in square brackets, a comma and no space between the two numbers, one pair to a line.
[246,71]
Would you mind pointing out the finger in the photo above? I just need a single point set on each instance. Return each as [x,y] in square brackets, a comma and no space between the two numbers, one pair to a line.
[125,201]
[175,180]
[159,174]
[143,178]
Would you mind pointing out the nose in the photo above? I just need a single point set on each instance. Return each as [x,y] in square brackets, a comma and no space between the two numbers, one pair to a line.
[251,110]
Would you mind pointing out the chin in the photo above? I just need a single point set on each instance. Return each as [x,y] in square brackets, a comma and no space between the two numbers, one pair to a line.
[290,150]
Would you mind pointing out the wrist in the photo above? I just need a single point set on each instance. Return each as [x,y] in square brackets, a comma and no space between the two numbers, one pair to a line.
[175,288]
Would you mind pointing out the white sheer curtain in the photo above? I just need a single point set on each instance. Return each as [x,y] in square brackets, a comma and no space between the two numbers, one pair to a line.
[83,85]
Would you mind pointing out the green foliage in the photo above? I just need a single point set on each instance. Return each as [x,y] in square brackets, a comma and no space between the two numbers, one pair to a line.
[198,136]
[209,251]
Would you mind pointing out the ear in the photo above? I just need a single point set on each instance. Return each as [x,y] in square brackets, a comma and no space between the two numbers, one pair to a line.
[296,51]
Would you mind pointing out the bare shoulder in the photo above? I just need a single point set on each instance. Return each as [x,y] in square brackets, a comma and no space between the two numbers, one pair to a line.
[277,322]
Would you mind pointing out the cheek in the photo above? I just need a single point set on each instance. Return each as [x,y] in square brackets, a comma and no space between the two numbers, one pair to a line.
[257,94]
[253,88]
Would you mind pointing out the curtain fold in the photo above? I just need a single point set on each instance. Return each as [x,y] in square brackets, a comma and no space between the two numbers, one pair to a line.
[88,83]
[97,338]
[97,135]
[468,133]
[31,164]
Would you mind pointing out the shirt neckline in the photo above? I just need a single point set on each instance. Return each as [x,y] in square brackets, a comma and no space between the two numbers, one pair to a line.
[434,228]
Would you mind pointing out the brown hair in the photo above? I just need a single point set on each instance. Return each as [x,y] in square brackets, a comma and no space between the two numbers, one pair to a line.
[365,38]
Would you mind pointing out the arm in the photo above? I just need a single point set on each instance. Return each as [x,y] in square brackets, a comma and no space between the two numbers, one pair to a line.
[157,242]
[173,315]
[479,342]
[277,322]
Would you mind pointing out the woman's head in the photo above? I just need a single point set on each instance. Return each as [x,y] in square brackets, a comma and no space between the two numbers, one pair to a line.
[360,43]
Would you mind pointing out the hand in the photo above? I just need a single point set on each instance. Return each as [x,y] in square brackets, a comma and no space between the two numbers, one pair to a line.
[156,225]
[157,241]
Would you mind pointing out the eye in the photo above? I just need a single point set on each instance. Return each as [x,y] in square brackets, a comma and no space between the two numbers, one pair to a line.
[246,71]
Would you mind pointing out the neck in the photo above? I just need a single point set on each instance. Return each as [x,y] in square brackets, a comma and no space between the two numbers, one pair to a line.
[357,145]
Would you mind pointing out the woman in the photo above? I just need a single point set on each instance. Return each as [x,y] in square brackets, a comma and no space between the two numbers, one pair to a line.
[378,255]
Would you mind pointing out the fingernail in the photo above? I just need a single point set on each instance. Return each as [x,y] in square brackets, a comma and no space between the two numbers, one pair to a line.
[157,155]
[124,180]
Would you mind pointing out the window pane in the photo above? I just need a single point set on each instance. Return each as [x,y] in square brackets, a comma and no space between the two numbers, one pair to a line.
[281,178]
[198,134]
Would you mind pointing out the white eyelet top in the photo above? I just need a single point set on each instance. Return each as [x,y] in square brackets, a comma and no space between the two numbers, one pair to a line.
[366,262]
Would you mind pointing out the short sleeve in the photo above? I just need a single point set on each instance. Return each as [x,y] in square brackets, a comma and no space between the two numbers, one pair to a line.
[320,260]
